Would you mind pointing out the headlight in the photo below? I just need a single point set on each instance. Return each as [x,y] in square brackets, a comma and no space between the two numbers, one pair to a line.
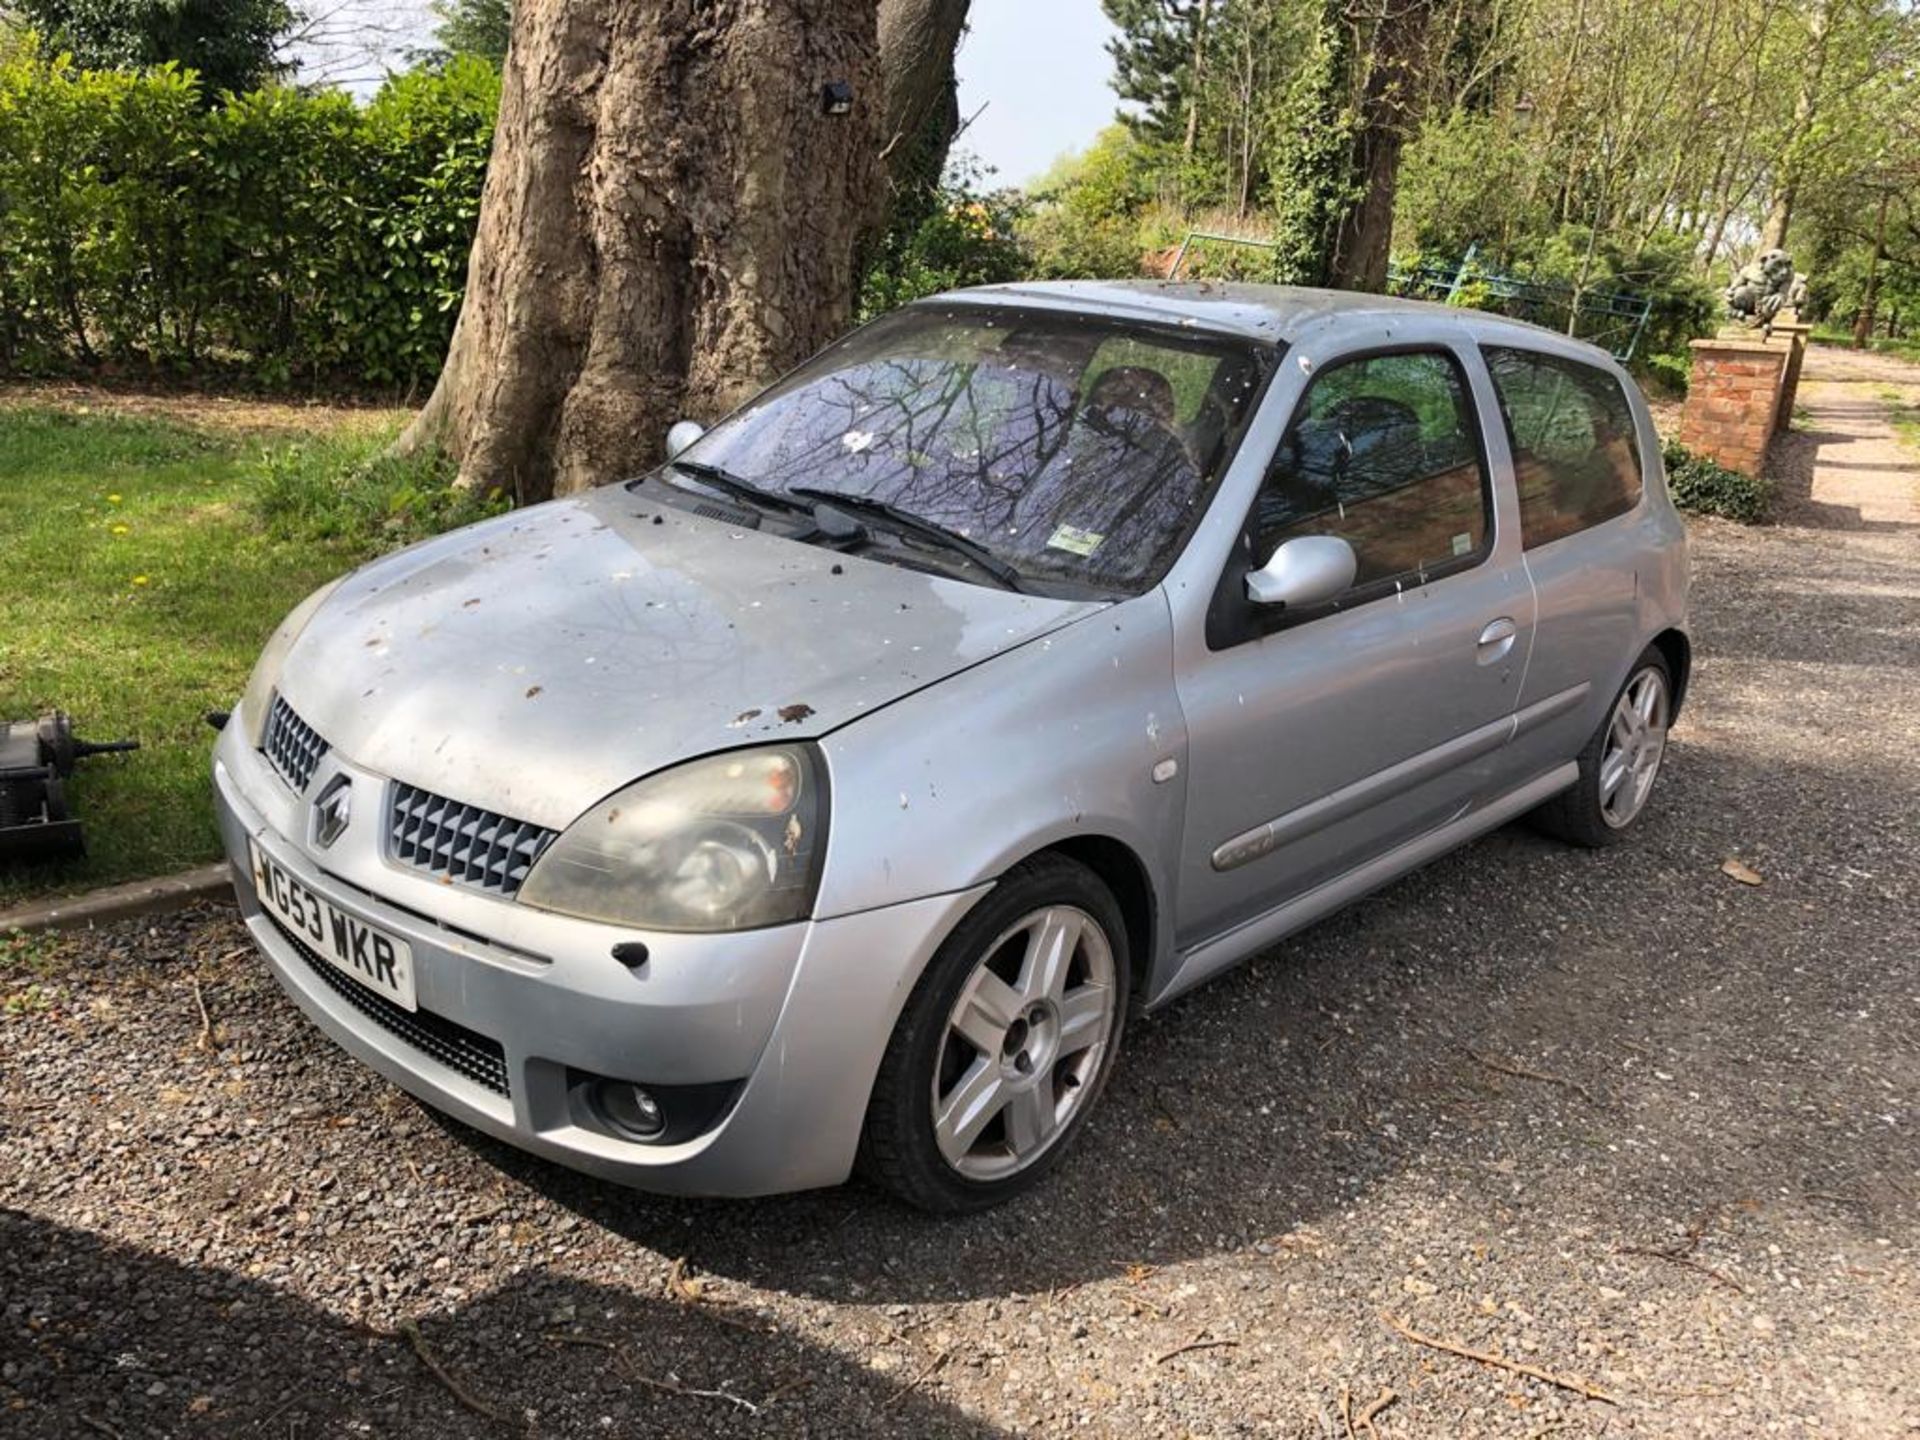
[273,656]
[731,842]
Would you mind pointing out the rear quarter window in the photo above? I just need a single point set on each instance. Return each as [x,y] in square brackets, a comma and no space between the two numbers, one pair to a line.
[1576,455]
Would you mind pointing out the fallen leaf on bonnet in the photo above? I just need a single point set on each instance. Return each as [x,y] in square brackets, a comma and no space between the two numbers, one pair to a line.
[1740,871]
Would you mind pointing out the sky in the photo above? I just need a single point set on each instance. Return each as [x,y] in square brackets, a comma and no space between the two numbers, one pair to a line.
[1039,66]
[1041,69]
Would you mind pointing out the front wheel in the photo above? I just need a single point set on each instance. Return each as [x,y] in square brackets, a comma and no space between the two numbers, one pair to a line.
[1620,763]
[1005,1044]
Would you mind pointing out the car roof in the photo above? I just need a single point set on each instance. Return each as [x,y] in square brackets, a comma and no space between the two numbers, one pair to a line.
[1274,314]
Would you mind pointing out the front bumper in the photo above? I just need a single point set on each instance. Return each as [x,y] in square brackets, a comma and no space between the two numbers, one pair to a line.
[515,1003]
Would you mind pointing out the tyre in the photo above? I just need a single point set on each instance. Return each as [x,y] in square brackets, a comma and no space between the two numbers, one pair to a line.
[1005,1044]
[1620,763]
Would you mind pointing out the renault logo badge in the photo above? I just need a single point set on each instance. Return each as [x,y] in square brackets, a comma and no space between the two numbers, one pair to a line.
[332,811]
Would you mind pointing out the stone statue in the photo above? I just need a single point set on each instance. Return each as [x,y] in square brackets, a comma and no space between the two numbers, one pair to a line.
[1762,287]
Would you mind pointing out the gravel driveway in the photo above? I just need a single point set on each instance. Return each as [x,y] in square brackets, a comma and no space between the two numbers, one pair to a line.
[1618,1118]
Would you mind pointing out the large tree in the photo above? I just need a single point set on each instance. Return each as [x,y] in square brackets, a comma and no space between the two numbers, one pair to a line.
[678,194]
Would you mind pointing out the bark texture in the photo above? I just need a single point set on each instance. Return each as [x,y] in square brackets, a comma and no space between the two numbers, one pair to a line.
[670,219]
[1388,115]
[917,43]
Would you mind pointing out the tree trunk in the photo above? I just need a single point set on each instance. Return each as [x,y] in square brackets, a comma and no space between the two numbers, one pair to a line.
[917,43]
[1196,76]
[669,220]
[1773,234]
[1388,114]
[1870,302]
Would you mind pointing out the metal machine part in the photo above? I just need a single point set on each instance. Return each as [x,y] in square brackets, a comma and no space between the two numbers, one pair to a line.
[36,759]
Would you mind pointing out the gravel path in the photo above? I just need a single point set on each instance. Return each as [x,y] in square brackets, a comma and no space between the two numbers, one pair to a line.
[1617,1117]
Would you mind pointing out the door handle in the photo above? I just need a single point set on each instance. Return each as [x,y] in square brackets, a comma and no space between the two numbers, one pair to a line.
[1496,641]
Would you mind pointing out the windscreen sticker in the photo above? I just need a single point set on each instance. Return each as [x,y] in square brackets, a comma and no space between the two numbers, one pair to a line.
[1463,543]
[1074,540]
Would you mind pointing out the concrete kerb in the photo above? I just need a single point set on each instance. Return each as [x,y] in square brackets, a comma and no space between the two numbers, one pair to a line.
[121,902]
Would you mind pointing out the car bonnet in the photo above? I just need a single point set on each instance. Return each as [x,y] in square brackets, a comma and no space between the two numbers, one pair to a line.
[535,663]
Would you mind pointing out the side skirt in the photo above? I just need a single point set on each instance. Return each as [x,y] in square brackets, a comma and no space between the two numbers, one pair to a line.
[1210,957]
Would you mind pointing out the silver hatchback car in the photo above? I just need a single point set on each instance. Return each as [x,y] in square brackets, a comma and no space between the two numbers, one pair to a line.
[832,796]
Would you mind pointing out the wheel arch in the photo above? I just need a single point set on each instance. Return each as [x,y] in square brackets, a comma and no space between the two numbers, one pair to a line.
[1677,650]
[1124,873]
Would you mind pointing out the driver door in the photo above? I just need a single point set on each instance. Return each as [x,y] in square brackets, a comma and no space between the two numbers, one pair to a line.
[1322,738]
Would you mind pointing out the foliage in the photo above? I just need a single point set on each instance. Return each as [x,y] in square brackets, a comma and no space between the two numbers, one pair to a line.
[1702,487]
[285,235]
[1669,372]
[1312,181]
[230,44]
[966,235]
[472,27]
[1086,215]
[1649,145]
[1152,49]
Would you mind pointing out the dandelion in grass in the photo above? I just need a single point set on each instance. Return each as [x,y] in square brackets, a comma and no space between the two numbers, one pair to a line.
[119,529]
[113,499]
[139,579]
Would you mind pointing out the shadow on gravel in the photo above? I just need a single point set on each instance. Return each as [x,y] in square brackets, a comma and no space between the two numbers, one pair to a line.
[102,1339]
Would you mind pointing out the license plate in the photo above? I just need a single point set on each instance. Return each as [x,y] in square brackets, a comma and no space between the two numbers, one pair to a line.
[381,962]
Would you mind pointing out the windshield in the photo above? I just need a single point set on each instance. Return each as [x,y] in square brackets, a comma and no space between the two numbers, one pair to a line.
[1074,448]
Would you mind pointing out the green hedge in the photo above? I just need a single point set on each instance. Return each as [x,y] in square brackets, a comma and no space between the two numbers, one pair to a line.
[283,234]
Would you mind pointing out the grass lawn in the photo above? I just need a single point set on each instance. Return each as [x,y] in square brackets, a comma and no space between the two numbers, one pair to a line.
[149,549]
[1904,418]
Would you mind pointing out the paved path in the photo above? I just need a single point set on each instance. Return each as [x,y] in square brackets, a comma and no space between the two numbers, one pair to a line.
[1844,466]
[1614,1116]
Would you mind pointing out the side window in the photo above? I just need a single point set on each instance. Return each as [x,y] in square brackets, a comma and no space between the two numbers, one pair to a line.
[1385,456]
[1575,459]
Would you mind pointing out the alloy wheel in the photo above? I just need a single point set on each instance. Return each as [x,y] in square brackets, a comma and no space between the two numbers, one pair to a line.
[1636,741]
[1024,1043]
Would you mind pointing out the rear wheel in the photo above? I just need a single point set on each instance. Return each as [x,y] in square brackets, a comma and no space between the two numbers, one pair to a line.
[1005,1043]
[1620,763]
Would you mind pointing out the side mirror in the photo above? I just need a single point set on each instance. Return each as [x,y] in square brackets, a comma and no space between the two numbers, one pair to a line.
[1308,571]
[681,434]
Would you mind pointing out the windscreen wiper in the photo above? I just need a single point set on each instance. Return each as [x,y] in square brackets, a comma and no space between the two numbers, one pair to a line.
[736,486]
[932,530]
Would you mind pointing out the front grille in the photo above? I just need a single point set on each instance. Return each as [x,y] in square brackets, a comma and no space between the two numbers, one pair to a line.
[463,1051]
[293,746]
[462,843]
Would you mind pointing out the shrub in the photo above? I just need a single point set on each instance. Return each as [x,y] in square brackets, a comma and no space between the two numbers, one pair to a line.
[281,234]
[1669,373]
[961,234]
[1086,217]
[1703,487]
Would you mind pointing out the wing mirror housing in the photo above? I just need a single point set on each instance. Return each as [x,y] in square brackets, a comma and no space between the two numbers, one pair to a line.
[681,434]
[1309,570]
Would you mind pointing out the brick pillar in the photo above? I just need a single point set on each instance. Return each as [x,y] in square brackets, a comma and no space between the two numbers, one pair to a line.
[1795,336]
[1733,398]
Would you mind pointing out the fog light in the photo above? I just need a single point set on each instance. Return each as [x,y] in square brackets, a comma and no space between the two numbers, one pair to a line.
[630,1110]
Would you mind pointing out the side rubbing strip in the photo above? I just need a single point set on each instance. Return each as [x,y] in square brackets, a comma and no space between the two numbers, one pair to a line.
[1550,708]
[1382,785]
